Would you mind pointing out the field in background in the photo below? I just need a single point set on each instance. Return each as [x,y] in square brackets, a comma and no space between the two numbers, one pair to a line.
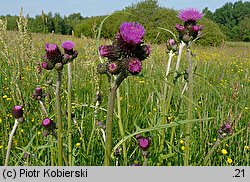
[221,88]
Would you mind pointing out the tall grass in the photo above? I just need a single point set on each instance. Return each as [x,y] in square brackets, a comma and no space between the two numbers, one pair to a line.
[221,92]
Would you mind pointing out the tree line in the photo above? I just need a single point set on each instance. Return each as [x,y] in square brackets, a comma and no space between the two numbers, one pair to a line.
[234,20]
[230,22]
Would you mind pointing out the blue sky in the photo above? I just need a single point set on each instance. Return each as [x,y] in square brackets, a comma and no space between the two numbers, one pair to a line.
[95,7]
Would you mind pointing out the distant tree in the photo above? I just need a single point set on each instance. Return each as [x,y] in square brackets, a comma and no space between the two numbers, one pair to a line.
[230,15]
[207,13]
[242,30]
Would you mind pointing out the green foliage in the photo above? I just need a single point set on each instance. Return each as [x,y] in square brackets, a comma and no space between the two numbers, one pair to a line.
[232,17]
[211,34]
[153,17]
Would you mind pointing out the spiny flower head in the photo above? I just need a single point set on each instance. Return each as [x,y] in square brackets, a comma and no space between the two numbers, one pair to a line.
[134,66]
[108,51]
[190,14]
[48,124]
[114,67]
[144,143]
[68,47]
[171,45]
[38,93]
[132,32]
[17,112]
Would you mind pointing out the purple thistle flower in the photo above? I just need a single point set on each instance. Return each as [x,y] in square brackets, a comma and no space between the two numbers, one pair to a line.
[68,47]
[53,53]
[134,66]
[48,124]
[17,112]
[132,32]
[190,14]
[144,143]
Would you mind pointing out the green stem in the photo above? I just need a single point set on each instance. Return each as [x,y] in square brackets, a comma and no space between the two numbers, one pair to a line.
[120,124]
[69,114]
[110,113]
[145,161]
[93,126]
[52,150]
[59,117]
[190,108]
[10,142]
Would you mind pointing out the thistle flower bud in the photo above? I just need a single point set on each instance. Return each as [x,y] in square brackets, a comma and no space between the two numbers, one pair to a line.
[109,51]
[186,38]
[17,112]
[102,68]
[114,67]
[48,124]
[47,65]
[225,130]
[195,28]
[59,66]
[38,93]
[134,65]
[171,45]
[144,143]
[179,28]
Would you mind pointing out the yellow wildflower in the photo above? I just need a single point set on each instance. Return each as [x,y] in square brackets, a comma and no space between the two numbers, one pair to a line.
[182,147]
[181,142]
[5,96]
[246,147]
[78,145]
[39,133]
[224,151]
[229,160]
